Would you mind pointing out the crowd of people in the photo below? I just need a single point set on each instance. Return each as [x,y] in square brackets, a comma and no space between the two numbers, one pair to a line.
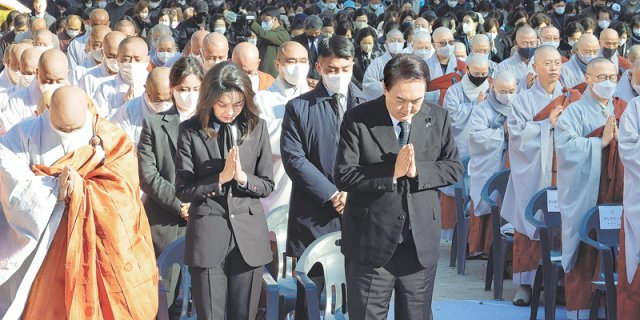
[125,126]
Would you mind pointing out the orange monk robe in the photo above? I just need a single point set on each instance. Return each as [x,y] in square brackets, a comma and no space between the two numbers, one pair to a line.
[265,80]
[101,263]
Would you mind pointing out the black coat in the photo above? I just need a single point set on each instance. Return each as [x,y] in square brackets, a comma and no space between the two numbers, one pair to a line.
[308,146]
[361,63]
[376,210]
[304,41]
[156,165]
[216,213]
[187,28]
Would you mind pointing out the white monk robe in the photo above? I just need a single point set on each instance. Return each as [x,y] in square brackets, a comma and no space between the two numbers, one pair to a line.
[435,71]
[75,51]
[129,117]
[531,158]
[271,103]
[22,105]
[373,76]
[109,96]
[487,147]
[5,81]
[93,78]
[79,71]
[516,65]
[31,210]
[624,89]
[629,148]
[572,73]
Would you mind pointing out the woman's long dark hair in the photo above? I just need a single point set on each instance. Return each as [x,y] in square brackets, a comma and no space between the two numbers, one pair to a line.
[226,77]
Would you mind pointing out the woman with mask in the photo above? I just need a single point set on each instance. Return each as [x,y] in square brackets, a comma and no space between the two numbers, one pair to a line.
[407,19]
[468,29]
[141,17]
[634,24]
[366,50]
[624,32]
[156,153]
[572,33]
[223,167]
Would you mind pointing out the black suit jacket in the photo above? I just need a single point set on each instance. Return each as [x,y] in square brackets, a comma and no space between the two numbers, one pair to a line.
[376,208]
[304,41]
[308,147]
[156,166]
[215,213]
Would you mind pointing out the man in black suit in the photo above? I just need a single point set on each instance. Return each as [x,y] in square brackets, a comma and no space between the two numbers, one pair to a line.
[310,40]
[394,152]
[308,146]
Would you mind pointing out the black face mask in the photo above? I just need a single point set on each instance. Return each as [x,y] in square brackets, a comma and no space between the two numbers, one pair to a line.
[608,52]
[526,53]
[477,81]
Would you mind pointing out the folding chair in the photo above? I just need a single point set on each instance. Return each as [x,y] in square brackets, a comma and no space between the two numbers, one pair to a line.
[174,254]
[460,241]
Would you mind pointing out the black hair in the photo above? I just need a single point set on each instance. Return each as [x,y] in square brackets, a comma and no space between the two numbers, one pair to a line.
[337,46]
[405,67]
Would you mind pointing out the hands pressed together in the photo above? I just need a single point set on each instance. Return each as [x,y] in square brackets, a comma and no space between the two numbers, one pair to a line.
[405,163]
[233,168]
[66,181]
[610,132]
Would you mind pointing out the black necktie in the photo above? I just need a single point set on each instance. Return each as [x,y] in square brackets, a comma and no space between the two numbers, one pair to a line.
[337,98]
[403,137]
[313,55]
[225,139]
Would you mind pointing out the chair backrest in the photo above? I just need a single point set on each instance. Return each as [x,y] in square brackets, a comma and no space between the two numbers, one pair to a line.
[496,183]
[277,224]
[597,235]
[461,189]
[326,251]
[548,224]
[172,255]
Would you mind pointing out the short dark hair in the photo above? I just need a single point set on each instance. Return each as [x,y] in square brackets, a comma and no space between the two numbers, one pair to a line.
[338,46]
[183,68]
[271,11]
[365,32]
[405,67]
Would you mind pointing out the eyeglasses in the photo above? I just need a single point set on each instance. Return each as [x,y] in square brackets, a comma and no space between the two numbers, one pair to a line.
[604,77]
[549,64]
[445,42]
[530,44]
[479,75]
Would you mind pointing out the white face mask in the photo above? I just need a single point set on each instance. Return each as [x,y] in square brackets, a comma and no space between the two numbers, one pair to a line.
[134,72]
[559,10]
[50,86]
[604,89]
[395,47]
[186,101]
[337,83]
[551,43]
[423,53]
[603,24]
[467,28]
[143,15]
[157,106]
[165,56]
[74,140]
[253,41]
[445,51]
[154,5]
[220,30]
[492,36]
[97,55]
[586,58]
[295,74]
[112,65]
[361,24]
[26,79]
[452,3]
[505,98]
[102,4]
[166,23]
[72,33]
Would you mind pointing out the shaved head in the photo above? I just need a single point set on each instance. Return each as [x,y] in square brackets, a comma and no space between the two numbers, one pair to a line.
[634,73]
[29,60]
[587,40]
[525,36]
[38,24]
[634,53]
[478,64]
[547,64]
[53,67]
[43,38]
[157,85]
[215,49]
[133,49]
[421,41]
[74,22]
[246,55]
[7,55]
[550,34]
[196,41]
[99,17]
[166,44]
[608,35]
[600,64]
[441,34]
[126,27]
[16,53]
[68,109]
[505,78]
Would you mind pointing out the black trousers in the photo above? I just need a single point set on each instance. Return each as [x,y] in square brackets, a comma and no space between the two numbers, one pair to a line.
[369,289]
[234,286]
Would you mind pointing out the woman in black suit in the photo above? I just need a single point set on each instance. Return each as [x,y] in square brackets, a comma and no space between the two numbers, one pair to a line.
[366,51]
[223,167]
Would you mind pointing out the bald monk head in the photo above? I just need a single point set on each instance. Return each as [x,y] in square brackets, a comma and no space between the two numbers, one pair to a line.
[505,86]
[38,24]
[634,53]
[29,64]
[126,27]
[441,38]
[526,42]
[587,47]
[246,55]
[292,54]
[74,26]
[550,35]
[609,42]
[16,53]
[110,46]
[215,49]
[158,89]
[478,67]
[68,109]
[96,38]
[547,65]
[166,43]
[43,38]
[52,68]
[480,44]
[6,56]
[196,41]
[460,51]
[99,17]
[600,71]
[634,76]
[158,31]
[132,50]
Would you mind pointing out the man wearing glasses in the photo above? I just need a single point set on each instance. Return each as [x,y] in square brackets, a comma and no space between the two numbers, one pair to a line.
[371,82]
[526,43]
[586,142]
[533,116]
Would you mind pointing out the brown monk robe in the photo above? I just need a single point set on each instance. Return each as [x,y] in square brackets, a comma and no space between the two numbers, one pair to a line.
[442,84]
[527,252]
[587,265]
[101,263]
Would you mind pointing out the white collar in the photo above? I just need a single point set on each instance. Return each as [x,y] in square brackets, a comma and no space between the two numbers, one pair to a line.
[396,121]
